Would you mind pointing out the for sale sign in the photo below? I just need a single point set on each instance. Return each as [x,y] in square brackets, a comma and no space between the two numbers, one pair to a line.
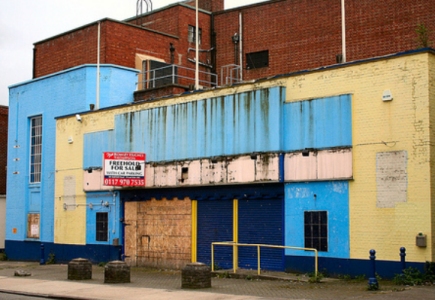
[124,168]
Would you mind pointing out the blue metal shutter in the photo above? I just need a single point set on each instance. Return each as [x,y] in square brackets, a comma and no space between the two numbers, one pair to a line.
[261,222]
[215,224]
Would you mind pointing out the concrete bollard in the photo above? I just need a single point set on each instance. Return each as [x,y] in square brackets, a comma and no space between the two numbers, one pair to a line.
[116,271]
[195,276]
[79,269]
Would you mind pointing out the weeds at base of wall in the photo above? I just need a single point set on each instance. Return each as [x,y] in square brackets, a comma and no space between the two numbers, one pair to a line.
[51,260]
[315,279]
[373,287]
[3,256]
[348,277]
[412,276]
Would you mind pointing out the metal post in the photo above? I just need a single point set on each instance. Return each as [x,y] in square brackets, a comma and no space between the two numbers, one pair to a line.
[212,257]
[42,261]
[402,258]
[373,282]
[258,260]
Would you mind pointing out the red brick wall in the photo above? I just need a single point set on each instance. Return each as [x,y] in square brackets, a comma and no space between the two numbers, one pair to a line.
[3,147]
[208,5]
[118,45]
[301,34]
[175,21]
[377,28]
[120,42]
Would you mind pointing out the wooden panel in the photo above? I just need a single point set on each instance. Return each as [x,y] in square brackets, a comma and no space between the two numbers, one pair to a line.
[160,236]
[318,165]
[33,226]
[299,167]
[334,164]
[213,172]
[267,167]
[241,169]
[189,173]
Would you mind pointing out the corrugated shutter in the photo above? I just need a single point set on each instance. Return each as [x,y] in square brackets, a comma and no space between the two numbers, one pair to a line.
[261,222]
[215,224]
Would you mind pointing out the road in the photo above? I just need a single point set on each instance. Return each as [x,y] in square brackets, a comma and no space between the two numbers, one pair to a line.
[4,296]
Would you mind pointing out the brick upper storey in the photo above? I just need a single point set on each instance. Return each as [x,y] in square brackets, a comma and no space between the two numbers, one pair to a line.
[284,35]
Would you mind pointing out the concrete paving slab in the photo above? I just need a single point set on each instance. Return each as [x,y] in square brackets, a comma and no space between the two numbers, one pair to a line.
[51,280]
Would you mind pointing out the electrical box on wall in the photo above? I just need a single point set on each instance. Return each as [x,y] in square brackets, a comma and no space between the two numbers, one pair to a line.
[387,95]
[420,240]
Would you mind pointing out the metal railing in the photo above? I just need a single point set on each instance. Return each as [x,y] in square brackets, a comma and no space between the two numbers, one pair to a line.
[230,74]
[236,245]
[174,74]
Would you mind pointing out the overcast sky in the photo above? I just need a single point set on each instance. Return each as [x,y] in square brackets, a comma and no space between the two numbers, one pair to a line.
[24,22]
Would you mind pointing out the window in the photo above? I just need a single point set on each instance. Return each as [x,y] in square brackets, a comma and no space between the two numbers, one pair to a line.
[316,230]
[102,227]
[257,60]
[158,74]
[192,34]
[35,149]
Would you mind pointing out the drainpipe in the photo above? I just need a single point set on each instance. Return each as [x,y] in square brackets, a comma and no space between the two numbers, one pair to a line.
[241,45]
[97,100]
[196,48]
[343,30]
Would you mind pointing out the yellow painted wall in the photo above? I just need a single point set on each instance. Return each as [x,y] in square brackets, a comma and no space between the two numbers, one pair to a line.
[432,154]
[70,224]
[401,124]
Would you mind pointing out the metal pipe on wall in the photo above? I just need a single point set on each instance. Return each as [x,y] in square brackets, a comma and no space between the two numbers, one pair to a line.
[97,100]
[196,48]
[343,30]
[241,46]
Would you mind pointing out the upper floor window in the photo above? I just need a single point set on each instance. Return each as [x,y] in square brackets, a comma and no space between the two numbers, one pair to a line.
[192,34]
[255,60]
[35,149]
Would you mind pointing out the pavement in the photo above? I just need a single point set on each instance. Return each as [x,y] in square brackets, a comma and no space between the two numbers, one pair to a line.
[50,281]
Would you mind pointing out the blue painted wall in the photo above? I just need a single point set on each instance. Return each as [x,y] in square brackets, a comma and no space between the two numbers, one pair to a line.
[318,123]
[94,144]
[331,196]
[256,121]
[229,125]
[113,209]
[62,93]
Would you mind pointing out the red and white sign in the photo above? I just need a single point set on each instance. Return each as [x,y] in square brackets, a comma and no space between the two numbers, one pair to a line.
[124,168]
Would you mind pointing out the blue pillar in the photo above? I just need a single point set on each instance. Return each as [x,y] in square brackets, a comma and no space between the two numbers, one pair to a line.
[402,258]
[42,261]
[373,282]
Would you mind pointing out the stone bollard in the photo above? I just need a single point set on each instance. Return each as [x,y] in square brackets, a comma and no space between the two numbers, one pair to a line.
[195,276]
[79,269]
[116,271]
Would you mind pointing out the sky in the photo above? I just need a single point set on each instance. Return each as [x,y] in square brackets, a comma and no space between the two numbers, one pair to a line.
[24,22]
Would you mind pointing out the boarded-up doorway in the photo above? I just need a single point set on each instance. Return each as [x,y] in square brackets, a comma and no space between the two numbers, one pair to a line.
[158,233]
